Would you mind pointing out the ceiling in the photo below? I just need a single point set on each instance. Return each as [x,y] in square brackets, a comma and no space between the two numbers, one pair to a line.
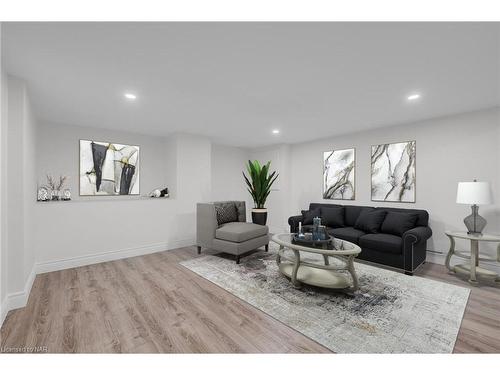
[236,82]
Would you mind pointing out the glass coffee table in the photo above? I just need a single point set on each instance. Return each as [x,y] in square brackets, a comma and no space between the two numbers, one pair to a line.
[318,272]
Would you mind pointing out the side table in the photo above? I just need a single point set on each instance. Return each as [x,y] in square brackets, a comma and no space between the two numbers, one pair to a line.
[472,268]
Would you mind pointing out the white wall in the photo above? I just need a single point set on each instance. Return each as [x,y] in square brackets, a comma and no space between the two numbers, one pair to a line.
[18,188]
[93,226]
[449,150]
[58,154]
[193,182]
[279,201]
[228,183]
[3,179]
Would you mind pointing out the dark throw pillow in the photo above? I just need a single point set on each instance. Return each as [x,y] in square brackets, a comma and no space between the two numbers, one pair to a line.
[398,222]
[369,221]
[308,216]
[226,213]
[332,217]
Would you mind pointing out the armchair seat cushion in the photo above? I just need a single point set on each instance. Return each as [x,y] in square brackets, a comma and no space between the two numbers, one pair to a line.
[348,233]
[387,243]
[240,232]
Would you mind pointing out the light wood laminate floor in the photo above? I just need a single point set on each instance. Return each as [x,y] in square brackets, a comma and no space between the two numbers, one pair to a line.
[152,304]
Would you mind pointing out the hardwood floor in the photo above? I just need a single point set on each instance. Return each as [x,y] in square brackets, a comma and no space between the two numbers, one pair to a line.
[152,304]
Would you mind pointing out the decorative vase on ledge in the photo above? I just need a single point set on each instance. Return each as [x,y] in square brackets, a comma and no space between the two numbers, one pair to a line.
[55,195]
[259,216]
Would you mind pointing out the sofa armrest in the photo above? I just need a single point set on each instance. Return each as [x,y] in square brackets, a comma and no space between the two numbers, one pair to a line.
[417,235]
[294,223]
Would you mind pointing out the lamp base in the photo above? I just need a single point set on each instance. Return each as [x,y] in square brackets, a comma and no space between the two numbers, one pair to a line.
[474,222]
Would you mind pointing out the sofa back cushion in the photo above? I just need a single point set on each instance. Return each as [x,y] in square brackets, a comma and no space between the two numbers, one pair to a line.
[332,217]
[369,220]
[312,206]
[352,213]
[226,212]
[308,216]
[398,222]
[422,215]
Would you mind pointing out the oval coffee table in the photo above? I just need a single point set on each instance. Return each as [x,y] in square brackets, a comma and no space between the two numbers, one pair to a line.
[318,273]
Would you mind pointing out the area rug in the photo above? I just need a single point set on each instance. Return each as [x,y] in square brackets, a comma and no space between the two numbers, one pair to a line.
[390,313]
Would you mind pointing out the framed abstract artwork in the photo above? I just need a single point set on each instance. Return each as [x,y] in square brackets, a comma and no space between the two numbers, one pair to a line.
[108,168]
[339,174]
[393,172]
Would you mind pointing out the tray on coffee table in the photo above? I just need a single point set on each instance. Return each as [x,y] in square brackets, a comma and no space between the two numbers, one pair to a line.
[308,241]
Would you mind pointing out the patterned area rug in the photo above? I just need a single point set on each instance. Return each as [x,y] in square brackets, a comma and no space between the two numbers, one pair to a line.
[390,313]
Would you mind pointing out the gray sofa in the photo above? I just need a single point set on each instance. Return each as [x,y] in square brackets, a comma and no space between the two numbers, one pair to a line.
[234,237]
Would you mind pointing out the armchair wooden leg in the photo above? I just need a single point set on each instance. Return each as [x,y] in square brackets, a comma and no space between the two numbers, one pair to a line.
[267,247]
[237,259]
[199,249]
[409,273]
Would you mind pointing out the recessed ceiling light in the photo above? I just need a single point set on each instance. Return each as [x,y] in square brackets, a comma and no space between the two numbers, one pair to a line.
[276,131]
[413,97]
[130,96]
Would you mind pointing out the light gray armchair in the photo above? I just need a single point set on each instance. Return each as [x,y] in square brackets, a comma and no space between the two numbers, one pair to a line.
[237,237]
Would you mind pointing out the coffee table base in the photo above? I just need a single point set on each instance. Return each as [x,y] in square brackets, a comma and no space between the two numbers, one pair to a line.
[322,275]
[317,277]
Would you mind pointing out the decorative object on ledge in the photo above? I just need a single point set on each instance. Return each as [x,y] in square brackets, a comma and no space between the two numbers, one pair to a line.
[66,195]
[259,188]
[55,187]
[339,174]
[43,194]
[164,193]
[393,172]
[474,193]
[108,168]
[157,193]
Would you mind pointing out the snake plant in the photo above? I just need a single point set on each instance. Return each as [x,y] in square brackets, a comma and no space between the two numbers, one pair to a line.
[261,181]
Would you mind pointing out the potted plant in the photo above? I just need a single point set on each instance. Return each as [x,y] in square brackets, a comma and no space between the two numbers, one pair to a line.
[259,188]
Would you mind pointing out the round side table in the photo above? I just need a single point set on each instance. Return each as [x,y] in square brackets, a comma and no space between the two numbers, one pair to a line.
[472,268]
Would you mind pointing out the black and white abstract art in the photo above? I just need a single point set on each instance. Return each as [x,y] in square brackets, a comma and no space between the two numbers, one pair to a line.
[338,174]
[393,172]
[108,168]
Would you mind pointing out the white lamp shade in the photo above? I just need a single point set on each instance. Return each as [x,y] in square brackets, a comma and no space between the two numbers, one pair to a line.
[474,193]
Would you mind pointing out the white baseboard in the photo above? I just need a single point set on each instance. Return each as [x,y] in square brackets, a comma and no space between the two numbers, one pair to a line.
[57,265]
[19,299]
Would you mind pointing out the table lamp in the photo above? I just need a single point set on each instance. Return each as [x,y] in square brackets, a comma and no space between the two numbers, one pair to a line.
[474,193]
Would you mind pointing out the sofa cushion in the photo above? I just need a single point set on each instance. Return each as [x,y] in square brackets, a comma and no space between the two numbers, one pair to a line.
[398,222]
[347,233]
[352,213]
[332,216]
[226,212]
[387,243]
[370,221]
[308,216]
[312,206]
[423,216]
[240,232]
